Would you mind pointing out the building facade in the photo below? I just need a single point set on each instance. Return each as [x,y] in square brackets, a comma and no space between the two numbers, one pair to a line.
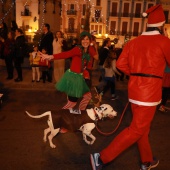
[120,19]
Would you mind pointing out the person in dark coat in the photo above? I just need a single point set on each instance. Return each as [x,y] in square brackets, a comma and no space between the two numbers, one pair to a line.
[13,28]
[20,43]
[3,30]
[8,54]
[46,43]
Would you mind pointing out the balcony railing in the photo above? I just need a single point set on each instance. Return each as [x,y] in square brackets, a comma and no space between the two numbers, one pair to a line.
[113,14]
[96,19]
[25,13]
[71,12]
[134,15]
[67,30]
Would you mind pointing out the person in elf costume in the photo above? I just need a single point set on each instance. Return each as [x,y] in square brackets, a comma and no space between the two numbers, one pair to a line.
[73,82]
[143,59]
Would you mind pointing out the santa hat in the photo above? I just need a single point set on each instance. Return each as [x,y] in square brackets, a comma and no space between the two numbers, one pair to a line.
[156,16]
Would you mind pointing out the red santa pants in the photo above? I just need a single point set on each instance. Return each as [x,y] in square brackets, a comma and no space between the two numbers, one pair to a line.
[138,131]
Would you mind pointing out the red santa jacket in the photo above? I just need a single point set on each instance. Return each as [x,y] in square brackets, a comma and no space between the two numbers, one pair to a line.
[144,59]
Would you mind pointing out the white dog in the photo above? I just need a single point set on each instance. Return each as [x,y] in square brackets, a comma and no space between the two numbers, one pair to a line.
[84,122]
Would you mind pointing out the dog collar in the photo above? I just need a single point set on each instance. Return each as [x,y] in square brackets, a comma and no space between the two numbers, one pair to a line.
[96,115]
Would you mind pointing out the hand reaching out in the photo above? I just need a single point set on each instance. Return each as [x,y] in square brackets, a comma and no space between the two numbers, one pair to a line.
[45,56]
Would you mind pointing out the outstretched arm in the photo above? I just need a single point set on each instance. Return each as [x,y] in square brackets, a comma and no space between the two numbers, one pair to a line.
[67,54]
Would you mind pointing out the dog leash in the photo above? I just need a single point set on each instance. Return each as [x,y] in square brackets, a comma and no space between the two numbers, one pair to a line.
[110,133]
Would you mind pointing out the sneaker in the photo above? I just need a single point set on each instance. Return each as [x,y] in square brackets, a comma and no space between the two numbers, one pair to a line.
[96,162]
[75,111]
[149,165]
[162,109]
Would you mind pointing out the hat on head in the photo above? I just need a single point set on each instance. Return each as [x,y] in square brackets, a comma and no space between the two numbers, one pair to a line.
[85,33]
[156,16]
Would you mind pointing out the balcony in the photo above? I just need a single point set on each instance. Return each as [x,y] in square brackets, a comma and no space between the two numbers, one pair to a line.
[113,14]
[96,19]
[70,30]
[71,12]
[25,13]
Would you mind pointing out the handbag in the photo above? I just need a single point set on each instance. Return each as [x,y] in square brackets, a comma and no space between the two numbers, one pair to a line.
[44,63]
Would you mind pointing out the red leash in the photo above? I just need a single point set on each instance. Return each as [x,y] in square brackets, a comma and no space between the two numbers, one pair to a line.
[110,133]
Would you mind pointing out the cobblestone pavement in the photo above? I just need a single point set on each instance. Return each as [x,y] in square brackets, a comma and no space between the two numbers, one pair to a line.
[21,138]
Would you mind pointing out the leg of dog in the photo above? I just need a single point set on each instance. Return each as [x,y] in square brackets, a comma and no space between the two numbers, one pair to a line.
[50,137]
[53,131]
[86,131]
[46,131]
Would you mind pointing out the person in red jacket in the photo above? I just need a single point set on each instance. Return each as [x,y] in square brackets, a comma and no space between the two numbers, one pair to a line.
[72,82]
[143,59]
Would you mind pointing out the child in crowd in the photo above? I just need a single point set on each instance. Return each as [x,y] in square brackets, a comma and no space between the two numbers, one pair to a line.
[109,78]
[34,62]
[45,64]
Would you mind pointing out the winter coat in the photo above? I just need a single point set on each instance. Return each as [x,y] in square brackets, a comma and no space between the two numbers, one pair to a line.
[20,48]
[46,42]
[34,58]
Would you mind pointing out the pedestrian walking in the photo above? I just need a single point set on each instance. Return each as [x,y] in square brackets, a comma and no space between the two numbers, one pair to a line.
[103,54]
[109,77]
[143,59]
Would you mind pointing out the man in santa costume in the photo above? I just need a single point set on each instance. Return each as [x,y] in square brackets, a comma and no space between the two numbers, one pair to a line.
[144,60]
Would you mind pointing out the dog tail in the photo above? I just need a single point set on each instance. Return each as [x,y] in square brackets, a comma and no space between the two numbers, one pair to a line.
[39,116]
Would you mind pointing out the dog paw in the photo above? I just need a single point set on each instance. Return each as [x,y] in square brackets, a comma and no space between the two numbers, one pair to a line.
[52,146]
[44,139]
[88,143]
[91,143]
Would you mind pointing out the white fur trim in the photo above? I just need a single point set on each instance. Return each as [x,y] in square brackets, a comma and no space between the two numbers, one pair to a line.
[151,33]
[144,14]
[144,103]
[156,24]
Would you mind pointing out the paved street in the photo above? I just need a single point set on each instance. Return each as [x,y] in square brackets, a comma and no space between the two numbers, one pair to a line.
[21,138]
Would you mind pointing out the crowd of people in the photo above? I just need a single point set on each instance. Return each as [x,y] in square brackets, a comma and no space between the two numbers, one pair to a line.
[12,49]
[139,60]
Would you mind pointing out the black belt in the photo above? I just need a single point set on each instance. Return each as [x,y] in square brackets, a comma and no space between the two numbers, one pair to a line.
[145,75]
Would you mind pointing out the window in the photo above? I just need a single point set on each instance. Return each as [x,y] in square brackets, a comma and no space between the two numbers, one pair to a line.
[166,16]
[72,6]
[71,25]
[135,28]
[114,9]
[124,28]
[126,10]
[113,28]
[150,5]
[138,10]
[98,2]
[97,15]
[26,10]
[84,9]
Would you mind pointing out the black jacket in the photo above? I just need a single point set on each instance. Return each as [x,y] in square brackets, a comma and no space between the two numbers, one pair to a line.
[20,48]
[46,42]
